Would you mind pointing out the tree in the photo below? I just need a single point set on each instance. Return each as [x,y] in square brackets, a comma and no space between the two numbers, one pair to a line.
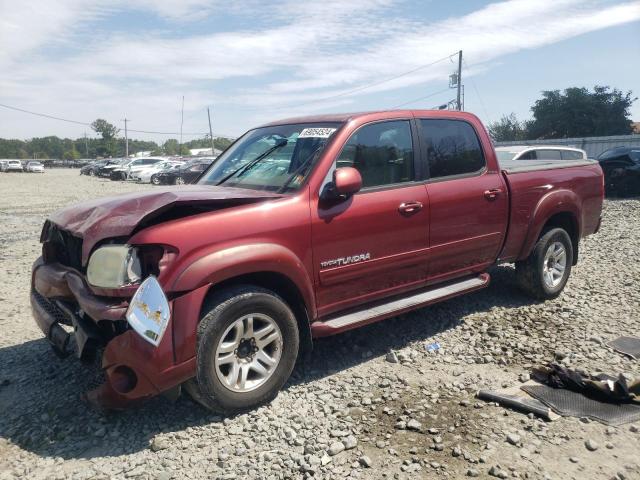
[508,128]
[108,132]
[578,112]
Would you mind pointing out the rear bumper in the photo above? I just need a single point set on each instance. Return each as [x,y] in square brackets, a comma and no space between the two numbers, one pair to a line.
[133,369]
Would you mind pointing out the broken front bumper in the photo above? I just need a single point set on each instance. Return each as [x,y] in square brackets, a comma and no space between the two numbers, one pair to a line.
[133,368]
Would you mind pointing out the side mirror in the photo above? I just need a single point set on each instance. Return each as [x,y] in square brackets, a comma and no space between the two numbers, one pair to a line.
[347,181]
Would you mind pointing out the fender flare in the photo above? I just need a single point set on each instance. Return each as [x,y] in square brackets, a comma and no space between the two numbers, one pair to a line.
[553,203]
[234,261]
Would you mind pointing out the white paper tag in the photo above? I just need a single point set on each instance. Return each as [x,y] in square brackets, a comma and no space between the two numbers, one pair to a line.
[316,132]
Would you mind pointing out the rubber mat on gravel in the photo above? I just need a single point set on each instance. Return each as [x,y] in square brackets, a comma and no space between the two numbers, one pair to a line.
[626,345]
[572,404]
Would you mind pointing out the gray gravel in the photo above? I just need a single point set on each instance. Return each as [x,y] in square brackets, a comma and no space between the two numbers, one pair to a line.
[372,403]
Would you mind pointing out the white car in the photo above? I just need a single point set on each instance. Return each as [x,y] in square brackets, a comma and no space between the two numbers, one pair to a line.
[124,172]
[35,167]
[539,152]
[13,166]
[145,175]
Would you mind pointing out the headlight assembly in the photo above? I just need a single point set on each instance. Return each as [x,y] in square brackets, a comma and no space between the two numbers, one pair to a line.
[114,266]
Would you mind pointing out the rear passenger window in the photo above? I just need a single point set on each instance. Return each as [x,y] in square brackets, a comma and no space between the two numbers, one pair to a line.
[571,155]
[549,154]
[530,155]
[381,152]
[452,148]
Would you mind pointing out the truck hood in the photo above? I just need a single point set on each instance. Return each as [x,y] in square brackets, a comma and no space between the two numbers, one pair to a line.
[120,216]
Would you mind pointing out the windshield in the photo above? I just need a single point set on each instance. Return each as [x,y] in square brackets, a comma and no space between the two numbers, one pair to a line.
[502,155]
[272,158]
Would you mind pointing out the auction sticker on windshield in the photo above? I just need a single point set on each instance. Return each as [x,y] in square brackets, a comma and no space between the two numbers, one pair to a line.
[316,132]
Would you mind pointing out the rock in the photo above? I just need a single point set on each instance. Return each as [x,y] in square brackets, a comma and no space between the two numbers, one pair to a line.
[513,438]
[591,445]
[456,451]
[365,461]
[573,459]
[392,357]
[325,460]
[159,443]
[497,472]
[335,448]
[472,472]
[414,424]
[350,442]
[400,425]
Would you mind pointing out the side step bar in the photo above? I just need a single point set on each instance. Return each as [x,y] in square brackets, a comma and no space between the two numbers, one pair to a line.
[395,307]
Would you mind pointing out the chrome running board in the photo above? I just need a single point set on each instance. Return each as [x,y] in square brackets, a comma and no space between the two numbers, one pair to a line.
[378,312]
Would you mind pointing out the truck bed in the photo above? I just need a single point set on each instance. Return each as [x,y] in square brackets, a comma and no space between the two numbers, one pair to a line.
[517,166]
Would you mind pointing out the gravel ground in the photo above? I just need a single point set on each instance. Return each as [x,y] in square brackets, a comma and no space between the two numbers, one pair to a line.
[371,403]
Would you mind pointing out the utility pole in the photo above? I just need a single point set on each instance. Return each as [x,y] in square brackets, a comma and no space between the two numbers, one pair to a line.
[86,145]
[458,102]
[213,150]
[181,122]
[126,139]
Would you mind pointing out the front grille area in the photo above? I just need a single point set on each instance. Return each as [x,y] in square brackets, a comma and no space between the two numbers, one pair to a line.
[51,308]
[60,246]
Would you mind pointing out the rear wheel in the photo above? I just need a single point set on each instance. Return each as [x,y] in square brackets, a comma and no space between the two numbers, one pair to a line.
[247,347]
[180,181]
[155,180]
[544,274]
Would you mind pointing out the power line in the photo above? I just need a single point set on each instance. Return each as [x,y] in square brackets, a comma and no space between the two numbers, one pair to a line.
[367,86]
[76,122]
[422,98]
[473,84]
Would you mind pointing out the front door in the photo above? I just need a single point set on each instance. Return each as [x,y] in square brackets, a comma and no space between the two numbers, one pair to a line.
[467,198]
[373,244]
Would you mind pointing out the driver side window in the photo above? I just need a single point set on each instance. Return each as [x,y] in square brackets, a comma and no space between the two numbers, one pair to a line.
[382,153]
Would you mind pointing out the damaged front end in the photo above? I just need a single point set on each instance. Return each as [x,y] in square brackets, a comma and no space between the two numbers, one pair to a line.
[130,339]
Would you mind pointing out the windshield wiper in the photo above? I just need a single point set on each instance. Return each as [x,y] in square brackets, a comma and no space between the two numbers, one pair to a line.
[279,144]
[308,161]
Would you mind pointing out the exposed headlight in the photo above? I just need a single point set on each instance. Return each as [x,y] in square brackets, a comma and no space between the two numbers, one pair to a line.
[149,311]
[114,266]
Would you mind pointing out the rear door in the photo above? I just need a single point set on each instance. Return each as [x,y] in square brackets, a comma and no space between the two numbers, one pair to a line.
[467,197]
[373,244]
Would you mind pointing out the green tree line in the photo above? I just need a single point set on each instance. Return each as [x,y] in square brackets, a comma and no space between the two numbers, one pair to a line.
[109,144]
[574,112]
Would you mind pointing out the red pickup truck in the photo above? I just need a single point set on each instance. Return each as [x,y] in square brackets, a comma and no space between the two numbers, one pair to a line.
[302,228]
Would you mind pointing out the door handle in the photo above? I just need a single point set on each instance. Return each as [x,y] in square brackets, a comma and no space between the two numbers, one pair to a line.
[492,194]
[409,208]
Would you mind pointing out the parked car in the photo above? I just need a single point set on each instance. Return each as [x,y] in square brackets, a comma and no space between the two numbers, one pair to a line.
[92,168]
[621,167]
[220,286]
[34,167]
[539,152]
[148,174]
[13,166]
[183,174]
[124,171]
[110,165]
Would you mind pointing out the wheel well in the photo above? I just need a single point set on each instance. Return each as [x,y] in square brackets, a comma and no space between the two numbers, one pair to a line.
[283,286]
[567,221]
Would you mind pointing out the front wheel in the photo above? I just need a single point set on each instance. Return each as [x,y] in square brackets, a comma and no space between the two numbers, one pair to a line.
[180,181]
[247,348]
[544,274]
[155,180]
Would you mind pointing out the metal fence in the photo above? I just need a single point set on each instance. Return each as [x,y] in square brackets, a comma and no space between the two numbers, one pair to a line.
[594,146]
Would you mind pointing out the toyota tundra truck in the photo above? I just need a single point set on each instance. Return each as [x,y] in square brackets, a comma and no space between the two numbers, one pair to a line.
[302,228]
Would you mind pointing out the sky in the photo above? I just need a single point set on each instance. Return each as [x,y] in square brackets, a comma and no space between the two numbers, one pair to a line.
[254,61]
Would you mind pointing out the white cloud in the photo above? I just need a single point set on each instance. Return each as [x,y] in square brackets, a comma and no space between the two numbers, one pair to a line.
[287,53]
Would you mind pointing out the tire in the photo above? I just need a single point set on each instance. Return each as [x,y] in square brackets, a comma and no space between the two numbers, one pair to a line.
[92,173]
[179,181]
[155,180]
[540,275]
[219,331]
